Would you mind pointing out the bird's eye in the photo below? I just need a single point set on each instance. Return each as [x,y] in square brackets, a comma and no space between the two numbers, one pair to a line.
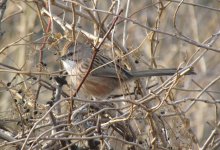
[70,54]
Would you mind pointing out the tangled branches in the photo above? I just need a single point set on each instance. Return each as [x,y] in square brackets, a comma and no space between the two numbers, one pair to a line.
[40,108]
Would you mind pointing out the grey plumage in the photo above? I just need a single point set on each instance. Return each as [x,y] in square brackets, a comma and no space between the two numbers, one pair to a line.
[105,74]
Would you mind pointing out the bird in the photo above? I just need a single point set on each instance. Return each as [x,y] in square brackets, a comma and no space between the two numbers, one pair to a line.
[105,75]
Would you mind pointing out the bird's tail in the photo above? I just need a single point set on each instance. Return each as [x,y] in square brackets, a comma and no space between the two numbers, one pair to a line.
[162,72]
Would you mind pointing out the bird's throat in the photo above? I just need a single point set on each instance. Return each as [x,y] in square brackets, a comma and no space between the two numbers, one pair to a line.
[68,65]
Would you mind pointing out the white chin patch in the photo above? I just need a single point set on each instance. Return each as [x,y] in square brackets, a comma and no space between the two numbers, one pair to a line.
[68,65]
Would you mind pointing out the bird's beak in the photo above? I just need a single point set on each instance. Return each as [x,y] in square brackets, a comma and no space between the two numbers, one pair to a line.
[60,58]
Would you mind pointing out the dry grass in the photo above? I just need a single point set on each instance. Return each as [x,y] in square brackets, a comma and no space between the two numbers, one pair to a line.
[178,112]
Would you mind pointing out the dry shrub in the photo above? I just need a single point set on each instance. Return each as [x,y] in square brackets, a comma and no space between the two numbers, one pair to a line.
[40,111]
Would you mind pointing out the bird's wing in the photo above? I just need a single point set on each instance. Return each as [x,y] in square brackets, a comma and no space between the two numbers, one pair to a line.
[104,67]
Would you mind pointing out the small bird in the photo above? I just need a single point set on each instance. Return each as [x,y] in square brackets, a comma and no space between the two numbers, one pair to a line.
[105,76]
